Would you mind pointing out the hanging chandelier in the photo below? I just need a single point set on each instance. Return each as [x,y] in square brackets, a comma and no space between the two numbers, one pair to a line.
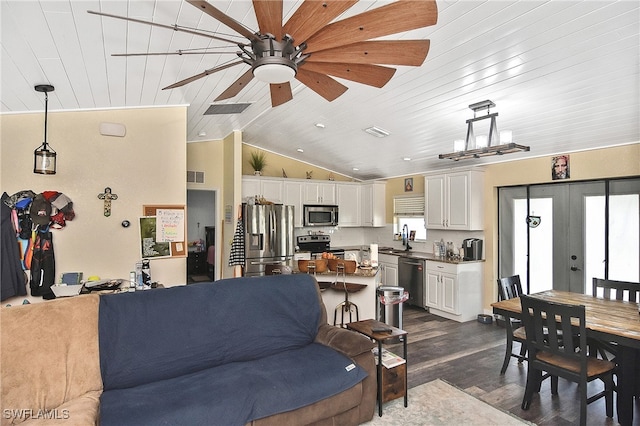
[44,160]
[482,145]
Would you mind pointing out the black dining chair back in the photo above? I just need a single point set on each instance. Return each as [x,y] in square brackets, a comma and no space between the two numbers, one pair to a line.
[616,290]
[567,358]
[508,288]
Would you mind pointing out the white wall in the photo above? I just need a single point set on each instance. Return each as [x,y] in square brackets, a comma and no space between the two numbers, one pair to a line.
[147,166]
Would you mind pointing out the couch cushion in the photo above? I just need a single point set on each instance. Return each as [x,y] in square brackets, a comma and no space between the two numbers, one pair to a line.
[49,354]
[164,333]
[236,393]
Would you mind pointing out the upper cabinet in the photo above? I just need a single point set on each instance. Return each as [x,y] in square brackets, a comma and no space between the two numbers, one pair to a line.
[319,193]
[360,204]
[454,200]
[372,196]
[269,188]
[348,195]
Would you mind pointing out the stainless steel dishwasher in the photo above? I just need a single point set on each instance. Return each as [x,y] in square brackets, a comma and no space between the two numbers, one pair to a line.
[411,278]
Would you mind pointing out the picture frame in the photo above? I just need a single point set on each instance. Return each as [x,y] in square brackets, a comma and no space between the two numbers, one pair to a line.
[408,185]
[560,167]
[412,235]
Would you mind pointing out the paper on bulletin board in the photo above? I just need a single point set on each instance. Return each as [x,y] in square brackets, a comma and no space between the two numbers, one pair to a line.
[170,225]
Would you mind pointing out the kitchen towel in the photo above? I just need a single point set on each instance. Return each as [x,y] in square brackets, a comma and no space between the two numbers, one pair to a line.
[373,254]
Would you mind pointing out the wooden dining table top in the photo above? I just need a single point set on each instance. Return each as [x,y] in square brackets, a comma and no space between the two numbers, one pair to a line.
[609,317]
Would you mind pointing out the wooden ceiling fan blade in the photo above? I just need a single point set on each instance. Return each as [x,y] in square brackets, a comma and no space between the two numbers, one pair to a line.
[372,75]
[312,15]
[202,74]
[169,27]
[280,93]
[390,19]
[236,86]
[269,16]
[322,84]
[388,52]
[219,15]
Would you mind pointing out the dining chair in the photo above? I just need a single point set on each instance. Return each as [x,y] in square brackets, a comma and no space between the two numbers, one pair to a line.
[613,290]
[567,358]
[508,288]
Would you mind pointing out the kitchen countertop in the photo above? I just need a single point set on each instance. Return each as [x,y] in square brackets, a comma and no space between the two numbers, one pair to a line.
[423,256]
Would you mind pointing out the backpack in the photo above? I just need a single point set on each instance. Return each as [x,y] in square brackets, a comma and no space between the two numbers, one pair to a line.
[43,266]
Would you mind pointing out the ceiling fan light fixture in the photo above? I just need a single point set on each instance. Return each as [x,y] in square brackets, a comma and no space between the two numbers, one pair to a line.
[274,73]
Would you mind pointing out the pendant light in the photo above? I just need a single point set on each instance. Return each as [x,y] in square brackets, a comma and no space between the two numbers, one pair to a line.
[481,145]
[44,160]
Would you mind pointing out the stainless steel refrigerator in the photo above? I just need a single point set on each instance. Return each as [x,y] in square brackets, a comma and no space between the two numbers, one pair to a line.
[269,242]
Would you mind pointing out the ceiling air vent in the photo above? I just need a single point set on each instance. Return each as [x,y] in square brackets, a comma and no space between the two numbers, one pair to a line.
[195,177]
[377,132]
[226,109]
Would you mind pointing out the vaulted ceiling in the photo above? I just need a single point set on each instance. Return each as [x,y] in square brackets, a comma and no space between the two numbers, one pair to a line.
[564,76]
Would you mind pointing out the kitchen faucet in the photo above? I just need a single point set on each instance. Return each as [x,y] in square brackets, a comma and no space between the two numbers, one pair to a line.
[405,237]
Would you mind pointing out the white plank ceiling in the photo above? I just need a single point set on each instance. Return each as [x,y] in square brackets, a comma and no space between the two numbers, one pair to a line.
[564,75]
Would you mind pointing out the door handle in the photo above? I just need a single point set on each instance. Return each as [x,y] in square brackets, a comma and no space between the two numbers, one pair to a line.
[575,268]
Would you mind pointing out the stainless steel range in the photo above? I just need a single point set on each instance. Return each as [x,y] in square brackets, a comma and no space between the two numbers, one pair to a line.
[317,244]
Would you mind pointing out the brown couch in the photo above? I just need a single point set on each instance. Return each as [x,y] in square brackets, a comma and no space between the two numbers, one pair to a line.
[50,367]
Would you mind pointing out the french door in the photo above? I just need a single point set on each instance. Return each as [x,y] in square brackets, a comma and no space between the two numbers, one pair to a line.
[560,236]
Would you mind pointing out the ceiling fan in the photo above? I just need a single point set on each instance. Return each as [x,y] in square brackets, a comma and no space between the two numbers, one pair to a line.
[313,49]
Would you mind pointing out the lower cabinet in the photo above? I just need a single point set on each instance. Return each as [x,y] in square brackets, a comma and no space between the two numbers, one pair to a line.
[388,266]
[454,290]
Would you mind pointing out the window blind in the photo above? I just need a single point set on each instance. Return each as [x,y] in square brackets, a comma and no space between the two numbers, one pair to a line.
[408,206]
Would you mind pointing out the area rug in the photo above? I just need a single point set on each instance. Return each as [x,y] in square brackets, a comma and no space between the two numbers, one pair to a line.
[439,403]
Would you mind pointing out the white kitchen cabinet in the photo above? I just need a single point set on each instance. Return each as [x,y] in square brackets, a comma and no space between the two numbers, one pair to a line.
[292,192]
[454,200]
[269,188]
[388,266]
[453,290]
[373,204]
[348,196]
[319,193]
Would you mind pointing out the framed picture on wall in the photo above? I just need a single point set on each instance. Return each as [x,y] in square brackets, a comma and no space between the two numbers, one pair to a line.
[408,185]
[560,167]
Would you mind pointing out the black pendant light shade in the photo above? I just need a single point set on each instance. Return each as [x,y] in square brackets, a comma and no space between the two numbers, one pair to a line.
[44,157]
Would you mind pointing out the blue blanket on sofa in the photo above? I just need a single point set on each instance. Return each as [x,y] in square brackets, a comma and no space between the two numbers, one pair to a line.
[225,352]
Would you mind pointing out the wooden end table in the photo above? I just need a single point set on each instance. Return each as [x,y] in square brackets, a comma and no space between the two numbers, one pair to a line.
[365,327]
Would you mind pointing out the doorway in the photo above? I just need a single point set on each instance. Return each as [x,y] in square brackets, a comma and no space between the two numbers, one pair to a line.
[201,234]
[560,236]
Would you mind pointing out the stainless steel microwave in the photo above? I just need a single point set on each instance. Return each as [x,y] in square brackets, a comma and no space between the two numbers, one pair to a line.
[319,215]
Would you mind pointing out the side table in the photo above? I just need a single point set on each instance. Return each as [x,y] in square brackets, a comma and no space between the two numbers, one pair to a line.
[365,327]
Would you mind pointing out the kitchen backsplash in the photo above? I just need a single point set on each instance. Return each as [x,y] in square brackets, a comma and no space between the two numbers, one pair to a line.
[383,236]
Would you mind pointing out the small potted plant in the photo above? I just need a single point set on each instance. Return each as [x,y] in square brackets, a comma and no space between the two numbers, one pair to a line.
[257,161]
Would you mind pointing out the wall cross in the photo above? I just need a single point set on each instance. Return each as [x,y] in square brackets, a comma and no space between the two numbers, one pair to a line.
[107,196]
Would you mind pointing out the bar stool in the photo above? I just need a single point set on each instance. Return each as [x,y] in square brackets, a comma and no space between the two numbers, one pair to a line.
[346,305]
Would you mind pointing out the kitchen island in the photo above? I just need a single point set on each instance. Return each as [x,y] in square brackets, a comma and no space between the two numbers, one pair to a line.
[365,298]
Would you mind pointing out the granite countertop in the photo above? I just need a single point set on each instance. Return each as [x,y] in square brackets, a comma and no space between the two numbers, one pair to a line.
[424,256]
[358,273]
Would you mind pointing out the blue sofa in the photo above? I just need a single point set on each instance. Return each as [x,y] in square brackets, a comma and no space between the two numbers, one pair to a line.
[232,352]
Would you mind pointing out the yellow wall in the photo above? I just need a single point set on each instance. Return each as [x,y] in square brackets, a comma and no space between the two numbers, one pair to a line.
[294,169]
[147,166]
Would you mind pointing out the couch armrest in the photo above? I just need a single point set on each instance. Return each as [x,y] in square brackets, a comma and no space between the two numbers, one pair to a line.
[345,341]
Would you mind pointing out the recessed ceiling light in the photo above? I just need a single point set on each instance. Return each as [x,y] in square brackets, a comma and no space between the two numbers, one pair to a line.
[407,158]
[300,150]
[355,169]
[377,132]
[320,125]
[202,134]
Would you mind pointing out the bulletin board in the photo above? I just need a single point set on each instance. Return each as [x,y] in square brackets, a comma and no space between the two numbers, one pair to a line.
[171,227]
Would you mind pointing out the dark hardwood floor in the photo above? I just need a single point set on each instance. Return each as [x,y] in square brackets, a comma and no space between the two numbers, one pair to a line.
[469,355]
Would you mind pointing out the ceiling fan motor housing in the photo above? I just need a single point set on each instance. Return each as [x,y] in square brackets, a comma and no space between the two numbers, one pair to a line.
[273,61]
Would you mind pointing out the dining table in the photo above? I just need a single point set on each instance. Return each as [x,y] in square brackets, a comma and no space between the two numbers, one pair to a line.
[606,320]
